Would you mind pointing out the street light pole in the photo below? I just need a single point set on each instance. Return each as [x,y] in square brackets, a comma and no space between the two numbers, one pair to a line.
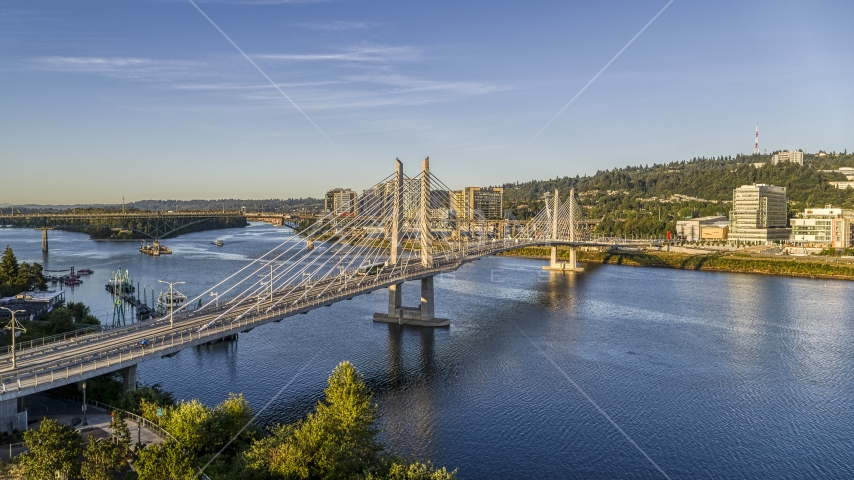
[171,301]
[13,325]
[84,405]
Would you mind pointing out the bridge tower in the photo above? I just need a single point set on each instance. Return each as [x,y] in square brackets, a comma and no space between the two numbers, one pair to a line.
[424,314]
[572,225]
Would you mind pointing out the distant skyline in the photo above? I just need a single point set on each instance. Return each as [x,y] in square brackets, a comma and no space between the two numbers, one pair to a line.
[148,100]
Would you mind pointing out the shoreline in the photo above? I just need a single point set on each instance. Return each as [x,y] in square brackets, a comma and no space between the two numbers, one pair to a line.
[712,262]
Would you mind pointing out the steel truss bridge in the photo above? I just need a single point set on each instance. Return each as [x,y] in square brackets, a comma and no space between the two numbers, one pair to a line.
[408,229]
[152,225]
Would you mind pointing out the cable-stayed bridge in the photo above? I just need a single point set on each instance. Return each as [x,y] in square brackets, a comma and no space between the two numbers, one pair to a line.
[402,229]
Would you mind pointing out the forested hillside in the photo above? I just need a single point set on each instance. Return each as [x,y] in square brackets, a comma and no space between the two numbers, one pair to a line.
[647,200]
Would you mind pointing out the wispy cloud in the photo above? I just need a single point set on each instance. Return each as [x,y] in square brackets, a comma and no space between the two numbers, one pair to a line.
[406,83]
[375,54]
[145,69]
[382,90]
[336,25]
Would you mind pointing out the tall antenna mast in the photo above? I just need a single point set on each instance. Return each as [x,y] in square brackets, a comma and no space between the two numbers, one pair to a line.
[756,144]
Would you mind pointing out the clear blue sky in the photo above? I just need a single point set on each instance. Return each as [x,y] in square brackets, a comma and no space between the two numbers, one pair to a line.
[146,99]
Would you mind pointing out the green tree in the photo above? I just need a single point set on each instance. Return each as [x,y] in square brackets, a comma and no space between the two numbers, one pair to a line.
[233,417]
[403,470]
[337,440]
[121,432]
[166,461]
[191,423]
[152,395]
[54,451]
[8,267]
[103,460]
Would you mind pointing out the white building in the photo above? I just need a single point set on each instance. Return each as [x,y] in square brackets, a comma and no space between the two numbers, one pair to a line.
[759,215]
[787,156]
[823,227]
[341,201]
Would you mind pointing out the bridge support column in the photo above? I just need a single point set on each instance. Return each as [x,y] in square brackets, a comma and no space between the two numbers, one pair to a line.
[395,299]
[423,315]
[44,240]
[568,266]
[13,415]
[128,378]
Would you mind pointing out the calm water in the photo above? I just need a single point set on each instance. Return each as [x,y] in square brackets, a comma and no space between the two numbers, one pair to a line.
[712,375]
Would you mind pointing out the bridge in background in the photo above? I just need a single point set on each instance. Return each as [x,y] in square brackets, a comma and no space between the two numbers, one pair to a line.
[154,225]
[408,230]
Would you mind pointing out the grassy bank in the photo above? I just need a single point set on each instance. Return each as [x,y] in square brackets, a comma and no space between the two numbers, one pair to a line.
[718,262]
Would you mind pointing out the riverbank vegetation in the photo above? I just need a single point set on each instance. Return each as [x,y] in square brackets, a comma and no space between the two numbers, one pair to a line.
[338,439]
[720,262]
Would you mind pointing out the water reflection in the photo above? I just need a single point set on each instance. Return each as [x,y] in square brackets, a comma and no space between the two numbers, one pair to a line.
[408,410]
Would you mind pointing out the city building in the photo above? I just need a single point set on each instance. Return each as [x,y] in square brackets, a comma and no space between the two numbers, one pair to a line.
[759,215]
[380,200]
[341,201]
[823,227]
[787,156]
[701,228]
[35,305]
[477,202]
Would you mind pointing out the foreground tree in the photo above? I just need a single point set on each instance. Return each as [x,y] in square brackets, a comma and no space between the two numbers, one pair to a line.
[166,461]
[54,452]
[103,460]
[121,432]
[337,440]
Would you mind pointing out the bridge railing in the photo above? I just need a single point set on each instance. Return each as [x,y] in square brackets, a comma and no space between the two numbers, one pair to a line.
[80,331]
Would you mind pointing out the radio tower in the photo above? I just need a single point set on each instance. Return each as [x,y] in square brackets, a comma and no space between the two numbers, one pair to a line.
[756,144]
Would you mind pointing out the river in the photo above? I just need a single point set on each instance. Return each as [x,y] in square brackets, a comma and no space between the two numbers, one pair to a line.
[617,372]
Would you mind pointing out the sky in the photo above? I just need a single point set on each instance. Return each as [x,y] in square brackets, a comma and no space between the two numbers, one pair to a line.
[167,99]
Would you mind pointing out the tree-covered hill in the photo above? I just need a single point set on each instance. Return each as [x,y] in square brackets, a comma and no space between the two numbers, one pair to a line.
[630,200]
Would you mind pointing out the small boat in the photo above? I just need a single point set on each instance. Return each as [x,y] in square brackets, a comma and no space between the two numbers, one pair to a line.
[85,271]
[154,249]
[218,242]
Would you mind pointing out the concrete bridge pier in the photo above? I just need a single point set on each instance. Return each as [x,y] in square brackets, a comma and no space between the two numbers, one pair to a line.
[568,266]
[128,378]
[44,240]
[13,415]
[423,315]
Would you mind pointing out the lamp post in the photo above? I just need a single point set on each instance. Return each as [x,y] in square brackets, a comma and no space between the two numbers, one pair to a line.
[84,405]
[14,325]
[171,300]
[216,298]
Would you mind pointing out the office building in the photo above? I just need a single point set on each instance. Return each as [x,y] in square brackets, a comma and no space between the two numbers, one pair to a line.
[759,215]
[341,201]
[823,227]
[478,203]
[787,156]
